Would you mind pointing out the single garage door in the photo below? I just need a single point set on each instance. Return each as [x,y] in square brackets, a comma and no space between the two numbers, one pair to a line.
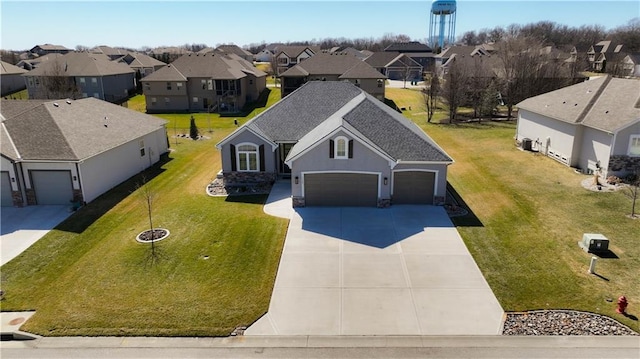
[52,187]
[7,200]
[413,187]
[341,189]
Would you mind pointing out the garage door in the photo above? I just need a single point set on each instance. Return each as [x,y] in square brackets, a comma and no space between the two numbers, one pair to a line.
[413,187]
[7,201]
[52,187]
[341,189]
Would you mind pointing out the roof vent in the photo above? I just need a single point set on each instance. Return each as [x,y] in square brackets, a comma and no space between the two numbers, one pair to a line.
[68,102]
[607,111]
[56,104]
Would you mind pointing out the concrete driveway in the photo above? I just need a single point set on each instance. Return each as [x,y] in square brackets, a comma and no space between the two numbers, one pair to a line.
[402,270]
[22,227]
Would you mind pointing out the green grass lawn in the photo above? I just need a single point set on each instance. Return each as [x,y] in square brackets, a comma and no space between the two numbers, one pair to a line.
[90,277]
[532,212]
[20,95]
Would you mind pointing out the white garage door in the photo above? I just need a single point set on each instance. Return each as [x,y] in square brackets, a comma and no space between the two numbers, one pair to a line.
[413,187]
[341,189]
[7,201]
[52,187]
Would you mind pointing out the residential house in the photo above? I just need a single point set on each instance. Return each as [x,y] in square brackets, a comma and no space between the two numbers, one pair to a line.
[234,49]
[395,66]
[340,147]
[592,126]
[110,52]
[142,64]
[462,51]
[289,56]
[59,152]
[11,78]
[417,51]
[47,49]
[203,82]
[603,53]
[334,67]
[267,54]
[361,55]
[30,64]
[84,75]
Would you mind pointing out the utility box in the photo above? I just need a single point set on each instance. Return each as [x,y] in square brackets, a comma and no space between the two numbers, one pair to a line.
[594,242]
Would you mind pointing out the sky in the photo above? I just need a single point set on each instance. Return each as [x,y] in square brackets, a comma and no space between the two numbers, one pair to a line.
[135,24]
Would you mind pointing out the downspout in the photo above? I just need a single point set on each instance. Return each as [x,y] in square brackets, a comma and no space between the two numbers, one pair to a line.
[80,182]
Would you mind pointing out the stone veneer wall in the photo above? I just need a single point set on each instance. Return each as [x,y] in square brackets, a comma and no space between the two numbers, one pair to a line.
[623,163]
[31,197]
[248,177]
[17,198]
[77,196]
[298,202]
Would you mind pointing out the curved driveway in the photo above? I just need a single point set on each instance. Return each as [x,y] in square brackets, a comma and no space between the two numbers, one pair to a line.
[402,270]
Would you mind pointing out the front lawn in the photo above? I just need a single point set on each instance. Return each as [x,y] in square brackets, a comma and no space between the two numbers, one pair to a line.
[531,212]
[213,273]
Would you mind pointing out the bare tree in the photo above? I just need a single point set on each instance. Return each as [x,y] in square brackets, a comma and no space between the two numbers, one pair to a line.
[453,89]
[632,191]
[431,93]
[57,84]
[148,196]
[478,82]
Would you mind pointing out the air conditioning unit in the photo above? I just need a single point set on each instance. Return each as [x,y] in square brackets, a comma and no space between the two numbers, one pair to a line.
[594,242]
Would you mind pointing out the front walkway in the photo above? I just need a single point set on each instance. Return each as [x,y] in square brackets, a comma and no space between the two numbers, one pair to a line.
[402,270]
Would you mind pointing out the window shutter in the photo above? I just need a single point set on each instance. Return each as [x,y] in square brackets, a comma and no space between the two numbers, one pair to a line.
[261,153]
[233,158]
[331,149]
[350,148]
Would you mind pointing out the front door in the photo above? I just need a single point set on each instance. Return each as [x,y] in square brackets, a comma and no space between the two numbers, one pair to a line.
[205,103]
[284,151]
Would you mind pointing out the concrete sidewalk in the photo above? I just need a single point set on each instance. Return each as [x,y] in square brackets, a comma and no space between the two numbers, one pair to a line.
[402,270]
[22,227]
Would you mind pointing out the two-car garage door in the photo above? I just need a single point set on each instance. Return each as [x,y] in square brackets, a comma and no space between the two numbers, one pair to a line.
[341,189]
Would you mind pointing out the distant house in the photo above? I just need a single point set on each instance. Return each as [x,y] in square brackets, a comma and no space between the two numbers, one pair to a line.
[47,49]
[462,52]
[203,82]
[340,147]
[30,64]
[11,78]
[140,63]
[417,51]
[110,52]
[334,67]
[607,56]
[593,125]
[361,55]
[289,56]
[81,74]
[56,152]
[267,54]
[395,66]
[234,49]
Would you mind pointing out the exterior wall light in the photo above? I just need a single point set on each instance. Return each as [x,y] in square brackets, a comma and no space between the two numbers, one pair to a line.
[386,181]
[297,180]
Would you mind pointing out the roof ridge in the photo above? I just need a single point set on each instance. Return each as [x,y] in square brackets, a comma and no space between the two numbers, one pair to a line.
[66,141]
[594,99]
[13,145]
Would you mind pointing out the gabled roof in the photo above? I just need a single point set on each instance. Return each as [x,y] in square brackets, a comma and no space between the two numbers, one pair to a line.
[136,59]
[38,60]
[210,65]
[608,104]
[50,47]
[232,49]
[109,51]
[318,108]
[387,59]
[73,130]
[333,64]
[295,51]
[411,46]
[81,64]
[9,69]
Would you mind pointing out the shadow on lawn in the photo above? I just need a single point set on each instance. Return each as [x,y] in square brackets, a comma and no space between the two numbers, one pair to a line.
[468,220]
[260,199]
[86,215]
[248,108]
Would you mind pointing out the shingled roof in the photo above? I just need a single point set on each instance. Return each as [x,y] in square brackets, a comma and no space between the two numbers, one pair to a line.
[210,65]
[69,130]
[334,64]
[605,103]
[9,69]
[81,64]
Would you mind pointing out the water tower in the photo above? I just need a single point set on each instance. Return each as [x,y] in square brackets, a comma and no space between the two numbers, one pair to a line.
[443,22]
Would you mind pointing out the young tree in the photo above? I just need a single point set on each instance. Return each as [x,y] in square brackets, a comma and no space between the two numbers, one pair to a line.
[148,196]
[633,191]
[193,129]
[431,93]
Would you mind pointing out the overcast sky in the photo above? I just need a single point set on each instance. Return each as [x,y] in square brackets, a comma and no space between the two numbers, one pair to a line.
[155,23]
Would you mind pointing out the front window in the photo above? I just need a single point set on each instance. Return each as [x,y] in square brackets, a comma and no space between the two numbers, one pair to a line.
[341,148]
[94,81]
[168,85]
[634,146]
[247,157]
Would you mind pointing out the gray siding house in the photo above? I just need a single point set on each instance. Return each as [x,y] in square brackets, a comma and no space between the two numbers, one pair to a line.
[84,75]
[64,151]
[203,82]
[11,78]
[395,66]
[593,126]
[337,66]
[340,147]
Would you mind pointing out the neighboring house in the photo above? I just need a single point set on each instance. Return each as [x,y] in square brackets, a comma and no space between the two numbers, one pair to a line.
[341,147]
[606,52]
[635,60]
[47,49]
[110,52]
[361,55]
[11,78]
[593,125]
[140,63]
[334,67]
[203,82]
[289,56]
[30,64]
[84,75]
[267,54]
[56,152]
[234,49]
[395,66]
[463,51]
[418,52]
